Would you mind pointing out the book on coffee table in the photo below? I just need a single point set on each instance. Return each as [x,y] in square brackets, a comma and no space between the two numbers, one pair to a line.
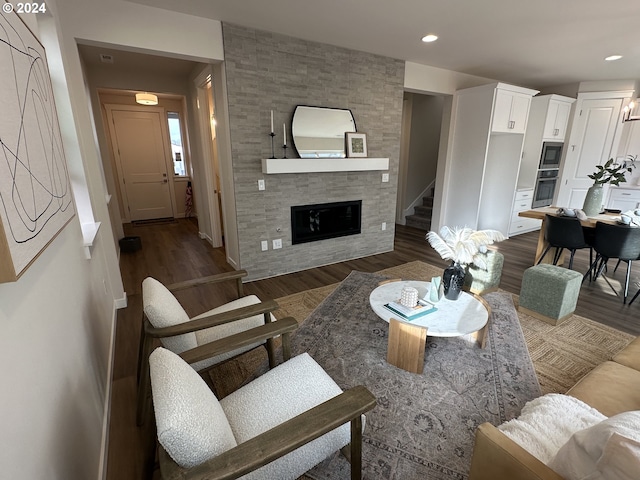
[409,313]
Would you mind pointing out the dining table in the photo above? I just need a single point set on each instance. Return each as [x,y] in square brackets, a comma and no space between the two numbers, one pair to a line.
[540,213]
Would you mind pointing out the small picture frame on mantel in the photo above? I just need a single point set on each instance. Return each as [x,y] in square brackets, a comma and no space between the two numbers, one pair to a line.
[356,144]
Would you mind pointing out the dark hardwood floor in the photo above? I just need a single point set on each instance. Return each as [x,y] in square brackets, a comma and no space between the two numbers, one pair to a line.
[173,252]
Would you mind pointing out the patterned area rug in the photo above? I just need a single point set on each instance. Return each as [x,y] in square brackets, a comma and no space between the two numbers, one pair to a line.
[561,355]
[423,425]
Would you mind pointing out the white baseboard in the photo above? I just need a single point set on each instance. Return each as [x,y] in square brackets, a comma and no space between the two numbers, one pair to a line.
[106,420]
[206,237]
[121,302]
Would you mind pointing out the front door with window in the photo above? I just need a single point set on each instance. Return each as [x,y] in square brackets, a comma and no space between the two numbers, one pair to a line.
[141,151]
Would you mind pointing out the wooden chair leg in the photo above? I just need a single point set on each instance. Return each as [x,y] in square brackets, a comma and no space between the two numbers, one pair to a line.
[271,352]
[144,384]
[240,287]
[356,448]
[271,347]
[286,346]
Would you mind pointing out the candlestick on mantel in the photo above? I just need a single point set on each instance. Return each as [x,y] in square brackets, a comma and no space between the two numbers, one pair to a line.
[273,155]
[284,132]
[271,121]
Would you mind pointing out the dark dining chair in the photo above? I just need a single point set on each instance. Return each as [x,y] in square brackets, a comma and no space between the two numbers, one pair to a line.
[615,241]
[564,232]
[635,296]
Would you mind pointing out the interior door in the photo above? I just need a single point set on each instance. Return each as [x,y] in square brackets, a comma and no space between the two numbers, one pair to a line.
[590,144]
[140,147]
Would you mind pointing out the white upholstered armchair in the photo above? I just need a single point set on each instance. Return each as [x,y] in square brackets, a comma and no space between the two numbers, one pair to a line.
[274,428]
[246,322]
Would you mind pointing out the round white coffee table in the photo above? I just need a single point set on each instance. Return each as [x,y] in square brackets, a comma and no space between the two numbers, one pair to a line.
[453,318]
[407,338]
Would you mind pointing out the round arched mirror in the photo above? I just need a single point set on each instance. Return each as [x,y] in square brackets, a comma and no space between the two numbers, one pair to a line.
[318,132]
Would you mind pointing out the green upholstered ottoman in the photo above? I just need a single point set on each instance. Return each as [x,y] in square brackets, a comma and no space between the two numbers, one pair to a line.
[479,281]
[549,293]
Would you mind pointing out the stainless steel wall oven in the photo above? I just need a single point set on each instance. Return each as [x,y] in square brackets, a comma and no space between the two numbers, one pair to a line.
[545,188]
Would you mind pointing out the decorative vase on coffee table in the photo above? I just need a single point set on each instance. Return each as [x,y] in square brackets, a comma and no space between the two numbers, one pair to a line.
[453,280]
[593,201]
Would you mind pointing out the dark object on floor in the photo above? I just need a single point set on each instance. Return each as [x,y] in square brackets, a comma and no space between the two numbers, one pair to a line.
[130,244]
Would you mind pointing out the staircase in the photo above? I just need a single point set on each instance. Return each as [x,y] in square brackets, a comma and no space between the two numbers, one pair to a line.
[421,217]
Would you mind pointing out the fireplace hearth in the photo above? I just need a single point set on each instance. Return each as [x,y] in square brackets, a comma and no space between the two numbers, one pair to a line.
[310,223]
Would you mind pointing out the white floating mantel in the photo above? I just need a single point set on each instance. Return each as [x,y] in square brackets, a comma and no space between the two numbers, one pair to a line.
[311,165]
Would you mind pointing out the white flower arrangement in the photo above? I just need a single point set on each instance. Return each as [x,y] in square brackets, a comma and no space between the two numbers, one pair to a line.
[464,245]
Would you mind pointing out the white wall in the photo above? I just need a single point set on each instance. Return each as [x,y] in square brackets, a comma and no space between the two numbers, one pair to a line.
[58,319]
[426,123]
[425,79]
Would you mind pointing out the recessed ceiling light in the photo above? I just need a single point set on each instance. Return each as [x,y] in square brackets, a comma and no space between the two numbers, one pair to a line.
[429,38]
[611,58]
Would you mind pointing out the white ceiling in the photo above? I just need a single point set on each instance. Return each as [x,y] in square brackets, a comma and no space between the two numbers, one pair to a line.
[533,43]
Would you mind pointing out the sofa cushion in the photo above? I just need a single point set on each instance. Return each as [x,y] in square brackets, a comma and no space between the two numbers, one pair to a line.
[191,425]
[609,450]
[547,422]
[630,355]
[610,388]
[163,310]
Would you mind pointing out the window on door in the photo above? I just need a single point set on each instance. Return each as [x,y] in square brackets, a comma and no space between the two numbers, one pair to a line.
[177,151]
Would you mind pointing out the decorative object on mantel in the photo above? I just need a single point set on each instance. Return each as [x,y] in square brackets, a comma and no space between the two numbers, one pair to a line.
[272,134]
[611,173]
[318,132]
[463,246]
[356,144]
[284,136]
[36,201]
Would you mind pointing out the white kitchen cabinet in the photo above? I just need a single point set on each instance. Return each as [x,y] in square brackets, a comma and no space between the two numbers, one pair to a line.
[633,142]
[482,169]
[511,110]
[522,202]
[555,125]
[624,198]
[548,114]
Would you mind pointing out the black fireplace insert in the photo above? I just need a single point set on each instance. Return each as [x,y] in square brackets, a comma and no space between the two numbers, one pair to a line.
[326,220]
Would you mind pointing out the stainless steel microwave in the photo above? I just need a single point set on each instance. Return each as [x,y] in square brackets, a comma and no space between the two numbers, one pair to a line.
[551,155]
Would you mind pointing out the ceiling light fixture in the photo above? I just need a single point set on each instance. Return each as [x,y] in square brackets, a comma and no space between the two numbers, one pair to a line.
[146,99]
[611,58]
[429,38]
[627,111]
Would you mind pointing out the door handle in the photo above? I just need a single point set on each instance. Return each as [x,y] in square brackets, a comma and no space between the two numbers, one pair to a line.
[165,181]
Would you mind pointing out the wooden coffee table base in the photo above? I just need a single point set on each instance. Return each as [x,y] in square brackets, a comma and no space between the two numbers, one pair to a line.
[406,346]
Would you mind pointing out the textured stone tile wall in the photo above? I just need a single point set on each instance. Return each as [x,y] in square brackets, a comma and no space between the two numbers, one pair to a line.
[267,71]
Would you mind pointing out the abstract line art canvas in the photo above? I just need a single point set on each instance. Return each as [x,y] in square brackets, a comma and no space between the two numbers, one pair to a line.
[36,200]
